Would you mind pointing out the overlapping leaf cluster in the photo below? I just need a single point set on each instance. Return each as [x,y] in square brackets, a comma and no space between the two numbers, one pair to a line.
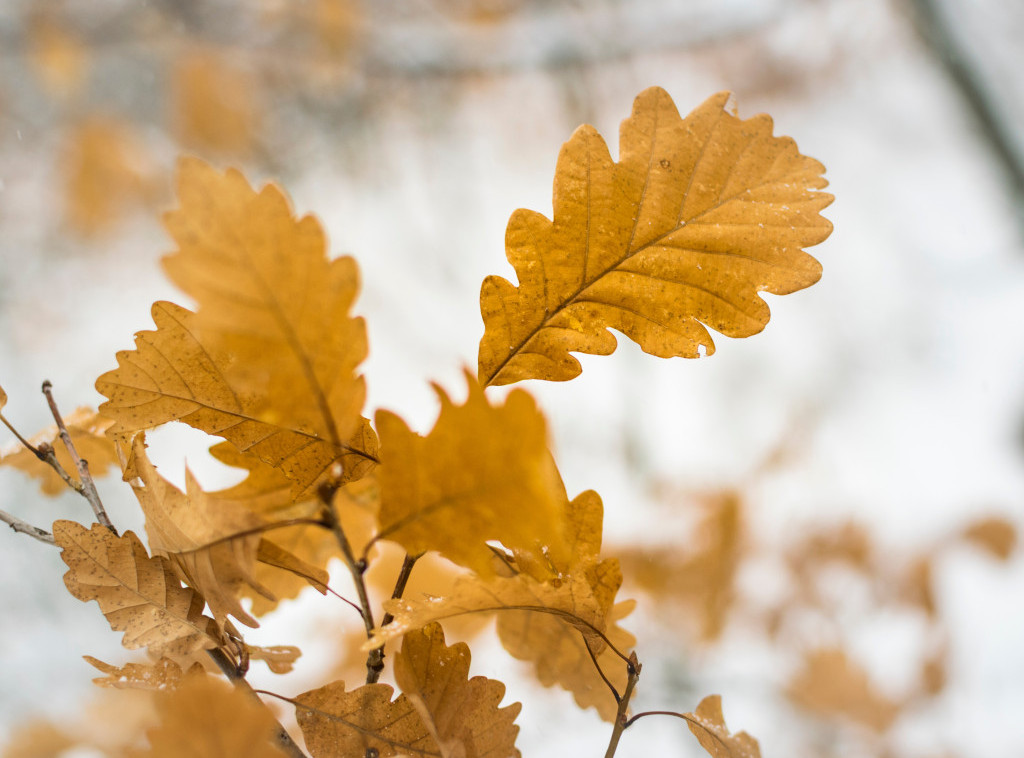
[698,216]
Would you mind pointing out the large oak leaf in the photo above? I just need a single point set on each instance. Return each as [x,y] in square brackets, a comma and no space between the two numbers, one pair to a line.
[698,216]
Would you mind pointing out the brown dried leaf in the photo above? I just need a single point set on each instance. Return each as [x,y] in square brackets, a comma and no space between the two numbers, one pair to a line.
[139,595]
[462,714]
[195,533]
[698,216]
[996,535]
[708,725]
[482,473]
[206,718]
[831,685]
[165,674]
[339,723]
[88,433]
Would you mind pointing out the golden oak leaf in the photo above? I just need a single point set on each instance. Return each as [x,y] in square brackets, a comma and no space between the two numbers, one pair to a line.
[482,473]
[268,361]
[996,535]
[213,104]
[165,674]
[581,600]
[174,375]
[708,725]
[88,433]
[832,685]
[138,594]
[462,714]
[339,723]
[195,533]
[698,216]
[558,651]
[206,718]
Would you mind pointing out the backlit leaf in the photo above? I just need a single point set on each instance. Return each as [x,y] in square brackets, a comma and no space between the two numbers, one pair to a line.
[698,216]
[138,594]
[165,674]
[482,473]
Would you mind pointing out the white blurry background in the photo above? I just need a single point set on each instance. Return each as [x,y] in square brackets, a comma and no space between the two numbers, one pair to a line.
[412,131]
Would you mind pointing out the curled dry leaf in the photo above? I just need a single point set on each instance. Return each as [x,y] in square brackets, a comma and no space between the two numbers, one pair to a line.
[165,674]
[279,658]
[88,433]
[268,361]
[708,725]
[206,718]
[482,473]
[138,594]
[698,216]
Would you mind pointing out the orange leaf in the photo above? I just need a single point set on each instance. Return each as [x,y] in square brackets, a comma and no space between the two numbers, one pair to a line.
[698,216]
[708,726]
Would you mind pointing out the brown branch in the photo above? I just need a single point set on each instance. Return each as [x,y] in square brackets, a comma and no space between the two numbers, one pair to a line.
[621,719]
[400,584]
[44,453]
[88,489]
[23,527]
[375,658]
[281,736]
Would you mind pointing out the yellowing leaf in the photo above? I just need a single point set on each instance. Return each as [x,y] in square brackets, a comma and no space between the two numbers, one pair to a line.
[58,57]
[832,685]
[139,595]
[483,473]
[88,433]
[3,398]
[462,714]
[339,723]
[708,726]
[205,718]
[698,216]
[268,361]
[165,674]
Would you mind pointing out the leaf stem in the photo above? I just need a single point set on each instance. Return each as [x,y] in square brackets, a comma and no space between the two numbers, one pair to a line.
[281,736]
[621,720]
[45,453]
[88,489]
[400,584]
[685,717]
[24,527]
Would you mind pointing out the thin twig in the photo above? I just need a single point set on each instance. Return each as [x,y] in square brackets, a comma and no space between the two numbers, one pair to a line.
[24,527]
[375,658]
[225,664]
[46,454]
[688,719]
[400,584]
[600,671]
[88,486]
[621,720]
